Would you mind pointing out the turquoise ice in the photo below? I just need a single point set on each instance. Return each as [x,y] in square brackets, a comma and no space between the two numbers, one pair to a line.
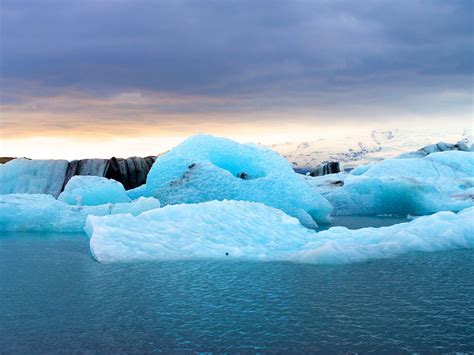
[205,168]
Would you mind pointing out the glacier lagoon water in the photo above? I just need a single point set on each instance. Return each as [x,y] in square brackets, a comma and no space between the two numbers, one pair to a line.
[55,298]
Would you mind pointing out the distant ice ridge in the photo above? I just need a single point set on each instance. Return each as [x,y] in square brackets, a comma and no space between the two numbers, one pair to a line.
[39,212]
[93,191]
[50,176]
[416,186]
[205,168]
[248,230]
[357,148]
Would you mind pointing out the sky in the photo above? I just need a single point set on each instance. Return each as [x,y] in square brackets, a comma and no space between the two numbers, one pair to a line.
[96,78]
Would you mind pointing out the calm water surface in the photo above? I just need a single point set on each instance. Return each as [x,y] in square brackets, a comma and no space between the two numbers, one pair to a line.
[56,299]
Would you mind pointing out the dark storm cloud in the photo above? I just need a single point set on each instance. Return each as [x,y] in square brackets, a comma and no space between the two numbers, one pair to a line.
[272,49]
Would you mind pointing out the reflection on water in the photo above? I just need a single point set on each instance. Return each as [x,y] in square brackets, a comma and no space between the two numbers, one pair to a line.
[56,298]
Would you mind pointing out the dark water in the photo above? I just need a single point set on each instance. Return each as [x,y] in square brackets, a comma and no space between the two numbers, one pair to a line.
[54,298]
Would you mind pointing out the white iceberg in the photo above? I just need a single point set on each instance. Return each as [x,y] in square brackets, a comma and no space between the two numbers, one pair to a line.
[417,186]
[449,164]
[93,191]
[43,213]
[205,168]
[247,230]
[32,176]
[215,229]
[440,231]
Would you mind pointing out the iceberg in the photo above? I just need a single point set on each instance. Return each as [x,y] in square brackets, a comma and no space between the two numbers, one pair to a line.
[205,168]
[32,176]
[51,176]
[93,191]
[417,186]
[438,147]
[449,164]
[43,213]
[249,230]
[440,231]
[215,229]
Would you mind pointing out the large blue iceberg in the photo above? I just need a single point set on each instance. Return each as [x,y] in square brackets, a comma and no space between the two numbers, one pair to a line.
[417,186]
[248,230]
[205,168]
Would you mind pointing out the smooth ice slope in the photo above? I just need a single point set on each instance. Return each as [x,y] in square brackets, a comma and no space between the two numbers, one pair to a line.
[437,182]
[93,191]
[32,176]
[247,230]
[205,168]
[38,212]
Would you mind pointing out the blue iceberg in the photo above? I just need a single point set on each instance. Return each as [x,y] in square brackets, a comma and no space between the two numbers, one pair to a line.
[205,168]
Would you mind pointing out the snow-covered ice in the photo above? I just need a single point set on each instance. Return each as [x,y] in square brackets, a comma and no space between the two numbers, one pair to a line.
[205,168]
[247,230]
[32,176]
[43,213]
[93,191]
[365,146]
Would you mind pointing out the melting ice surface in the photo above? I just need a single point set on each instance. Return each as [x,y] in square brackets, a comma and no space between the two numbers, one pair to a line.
[205,168]
[93,191]
[247,230]
[38,212]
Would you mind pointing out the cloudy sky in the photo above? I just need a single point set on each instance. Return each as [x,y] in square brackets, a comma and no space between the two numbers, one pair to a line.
[82,77]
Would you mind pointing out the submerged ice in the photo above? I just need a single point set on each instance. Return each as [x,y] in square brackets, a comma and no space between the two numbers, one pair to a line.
[247,230]
[43,213]
[205,168]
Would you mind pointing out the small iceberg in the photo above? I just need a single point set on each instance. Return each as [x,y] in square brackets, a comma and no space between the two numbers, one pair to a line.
[93,191]
[43,213]
[248,230]
[440,231]
[205,168]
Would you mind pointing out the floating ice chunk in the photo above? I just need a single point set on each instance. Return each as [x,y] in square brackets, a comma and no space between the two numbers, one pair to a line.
[93,191]
[38,212]
[366,196]
[216,229]
[417,186]
[248,230]
[440,231]
[32,176]
[205,168]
